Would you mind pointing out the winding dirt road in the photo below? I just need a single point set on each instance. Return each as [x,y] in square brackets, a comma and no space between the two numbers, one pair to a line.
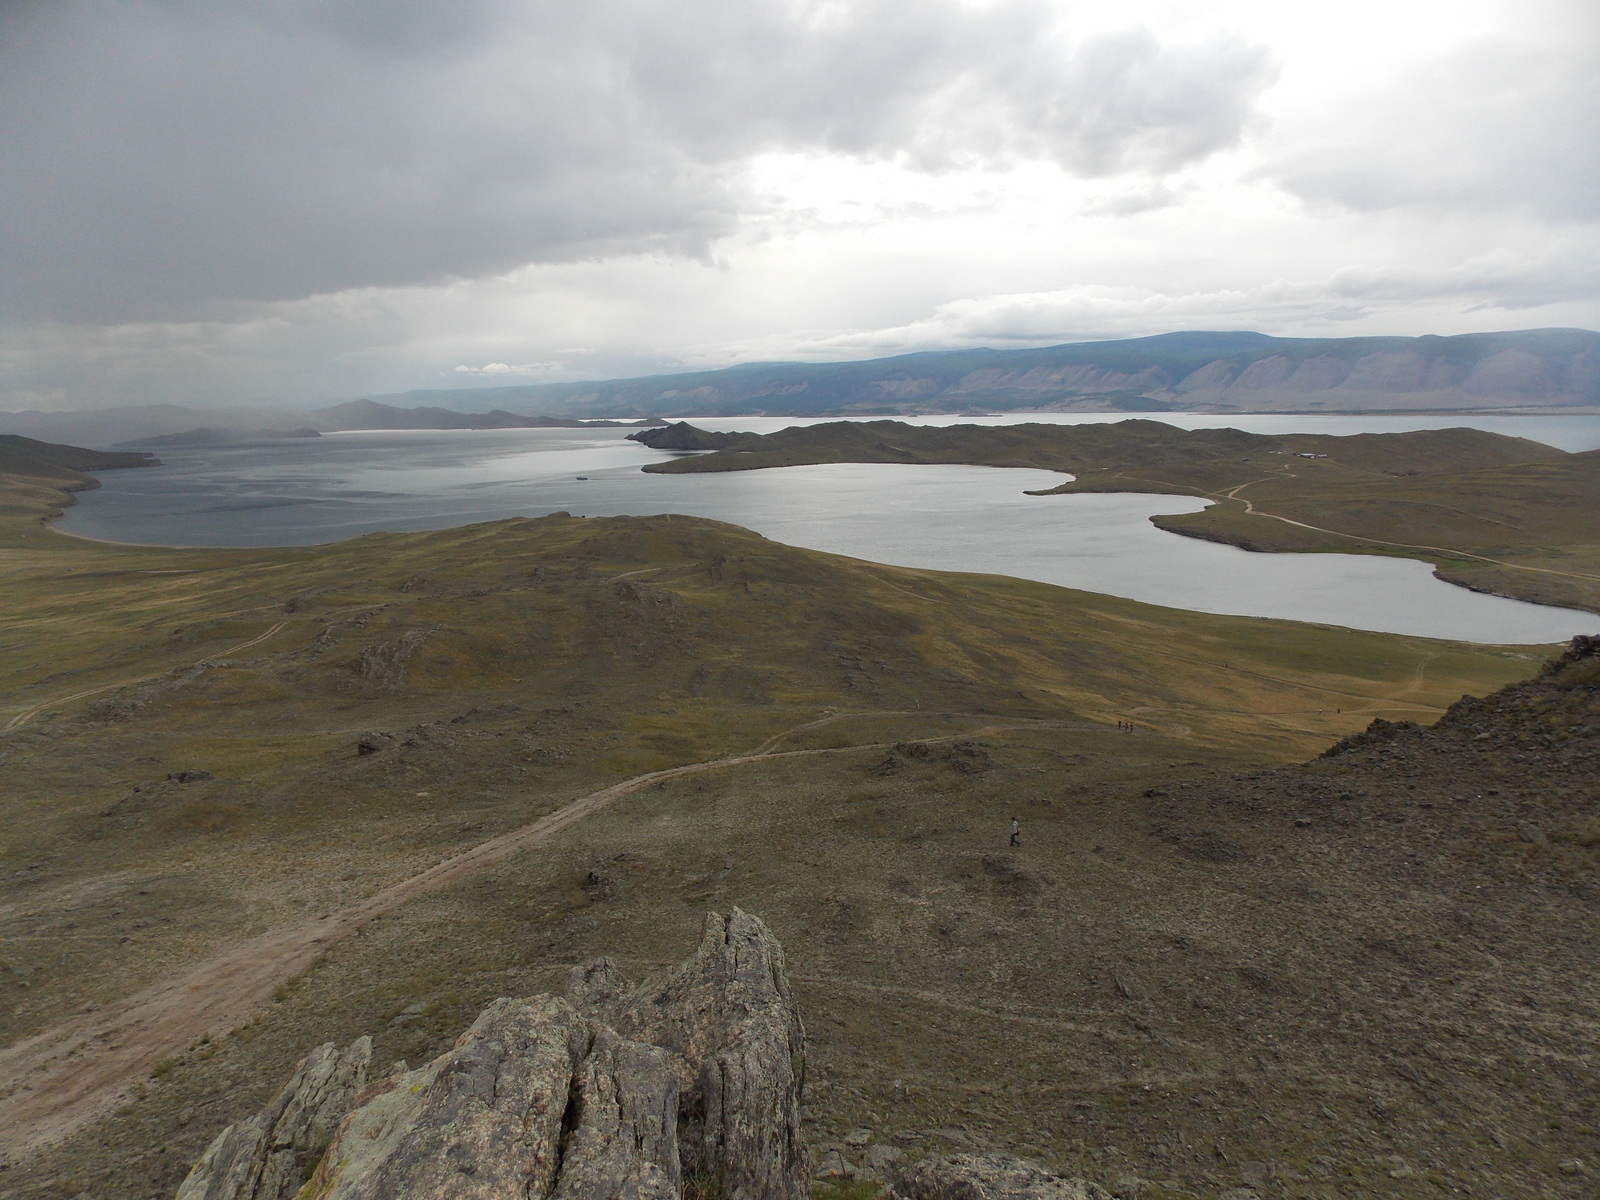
[1252,510]
[55,1082]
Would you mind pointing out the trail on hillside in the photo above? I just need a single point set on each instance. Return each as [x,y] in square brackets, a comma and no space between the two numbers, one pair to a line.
[53,1083]
[22,718]
[1252,510]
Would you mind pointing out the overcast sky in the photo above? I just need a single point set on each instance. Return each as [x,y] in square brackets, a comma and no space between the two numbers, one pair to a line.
[234,201]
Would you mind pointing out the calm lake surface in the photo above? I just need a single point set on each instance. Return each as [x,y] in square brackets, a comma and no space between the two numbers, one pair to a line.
[300,492]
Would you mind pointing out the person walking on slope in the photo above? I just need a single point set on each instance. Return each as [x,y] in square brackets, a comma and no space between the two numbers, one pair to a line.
[1016,832]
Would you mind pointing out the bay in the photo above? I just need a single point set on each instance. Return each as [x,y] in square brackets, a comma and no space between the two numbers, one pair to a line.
[316,490]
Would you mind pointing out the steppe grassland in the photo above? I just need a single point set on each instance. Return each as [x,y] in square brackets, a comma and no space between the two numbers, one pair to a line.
[498,672]
[574,653]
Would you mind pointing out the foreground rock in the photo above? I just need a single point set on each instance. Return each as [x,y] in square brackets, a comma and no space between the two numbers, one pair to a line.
[268,1156]
[732,1024]
[611,1091]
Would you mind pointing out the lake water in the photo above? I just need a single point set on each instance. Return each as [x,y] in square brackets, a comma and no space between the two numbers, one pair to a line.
[945,517]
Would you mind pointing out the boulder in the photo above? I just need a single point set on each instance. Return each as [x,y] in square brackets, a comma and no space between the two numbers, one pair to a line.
[881,1159]
[374,742]
[989,1177]
[833,1166]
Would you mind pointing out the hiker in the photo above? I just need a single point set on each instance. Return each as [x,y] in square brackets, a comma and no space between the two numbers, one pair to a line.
[1016,832]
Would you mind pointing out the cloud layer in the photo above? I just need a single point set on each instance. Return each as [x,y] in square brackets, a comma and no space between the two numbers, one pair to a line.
[167,158]
[303,200]
[1507,123]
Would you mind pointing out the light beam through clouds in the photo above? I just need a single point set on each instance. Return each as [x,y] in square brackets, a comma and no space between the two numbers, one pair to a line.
[248,201]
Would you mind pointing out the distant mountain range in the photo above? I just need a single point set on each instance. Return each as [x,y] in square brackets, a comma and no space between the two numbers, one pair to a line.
[1215,372]
[1540,369]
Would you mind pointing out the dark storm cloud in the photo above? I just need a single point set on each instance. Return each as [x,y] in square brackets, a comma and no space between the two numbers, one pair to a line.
[164,159]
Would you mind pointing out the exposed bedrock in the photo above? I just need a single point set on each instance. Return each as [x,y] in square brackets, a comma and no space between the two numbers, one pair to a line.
[613,1091]
[268,1156]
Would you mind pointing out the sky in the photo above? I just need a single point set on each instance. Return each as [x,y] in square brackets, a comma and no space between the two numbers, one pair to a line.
[219,202]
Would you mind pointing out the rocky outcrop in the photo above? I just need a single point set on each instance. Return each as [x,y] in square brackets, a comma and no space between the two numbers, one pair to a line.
[613,1092]
[154,794]
[267,1156]
[484,1119]
[731,1022]
[383,664]
[989,1177]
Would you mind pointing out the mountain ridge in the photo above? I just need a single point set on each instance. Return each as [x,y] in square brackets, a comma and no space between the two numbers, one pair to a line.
[1219,371]
[1192,370]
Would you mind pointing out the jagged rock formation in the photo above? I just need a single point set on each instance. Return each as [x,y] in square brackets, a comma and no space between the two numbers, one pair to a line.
[610,1092]
[383,664]
[733,1027]
[989,1177]
[267,1156]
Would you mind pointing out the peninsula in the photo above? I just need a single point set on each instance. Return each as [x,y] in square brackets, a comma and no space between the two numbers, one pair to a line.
[1493,513]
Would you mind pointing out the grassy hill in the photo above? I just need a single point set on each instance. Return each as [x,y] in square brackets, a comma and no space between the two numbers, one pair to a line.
[203,747]
[37,479]
[1494,513]
[20,456]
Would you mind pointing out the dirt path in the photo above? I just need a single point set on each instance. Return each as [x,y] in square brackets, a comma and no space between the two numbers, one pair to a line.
[53,1083]
[22,718]
[1260,512]
[1250,508]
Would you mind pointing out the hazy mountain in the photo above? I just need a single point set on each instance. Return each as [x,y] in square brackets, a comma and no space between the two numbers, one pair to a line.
[173,426]
[1228,372]
[368,414]
[1208,372]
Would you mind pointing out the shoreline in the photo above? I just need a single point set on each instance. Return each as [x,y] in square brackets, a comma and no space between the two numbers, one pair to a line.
[1155,497]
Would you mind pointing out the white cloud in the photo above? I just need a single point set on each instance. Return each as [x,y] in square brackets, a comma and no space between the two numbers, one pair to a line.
[1507,122]
[1152,197]
[500,370]
[1498,287]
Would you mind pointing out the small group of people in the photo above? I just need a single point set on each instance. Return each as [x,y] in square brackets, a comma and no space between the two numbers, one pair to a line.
[1125,726]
